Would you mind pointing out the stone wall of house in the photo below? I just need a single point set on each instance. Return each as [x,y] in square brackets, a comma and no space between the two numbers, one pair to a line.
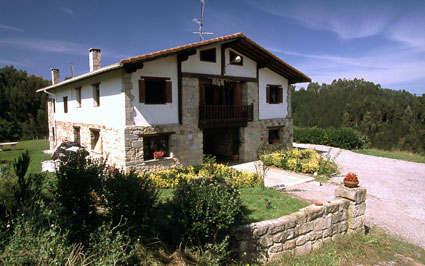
[185,141]
[112,140]
[51,124]
[303,231]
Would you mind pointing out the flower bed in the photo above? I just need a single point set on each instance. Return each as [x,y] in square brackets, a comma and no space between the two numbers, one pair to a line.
[306,161]
[170,178]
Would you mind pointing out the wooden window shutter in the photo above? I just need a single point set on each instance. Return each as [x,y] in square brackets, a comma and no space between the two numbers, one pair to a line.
[268,94]
[168,92]
[280,94]
[142,91]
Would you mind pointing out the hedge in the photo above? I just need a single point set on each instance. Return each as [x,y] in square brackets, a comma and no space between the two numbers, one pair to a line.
[346,138]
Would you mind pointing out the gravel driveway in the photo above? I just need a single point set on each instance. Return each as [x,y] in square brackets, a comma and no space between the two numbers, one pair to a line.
[396,191]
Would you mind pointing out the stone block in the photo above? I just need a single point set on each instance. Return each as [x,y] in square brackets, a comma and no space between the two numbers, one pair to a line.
[302,250]
[276,248]
[319,224]
[301,240]
[304,228]
[260,230]
[357,210]
[266,241]
[289,245]
[358,195]
[277,228]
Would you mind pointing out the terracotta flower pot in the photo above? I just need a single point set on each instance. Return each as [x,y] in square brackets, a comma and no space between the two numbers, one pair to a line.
[351,184]
[274,141]
[235,157]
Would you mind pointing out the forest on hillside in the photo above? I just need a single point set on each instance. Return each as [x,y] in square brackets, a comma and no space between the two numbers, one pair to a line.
[391,119]
[23,112]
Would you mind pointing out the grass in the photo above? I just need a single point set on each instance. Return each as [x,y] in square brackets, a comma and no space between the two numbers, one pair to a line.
[258,204]
[375,248]
[399,155]
[35,149]
[266,204]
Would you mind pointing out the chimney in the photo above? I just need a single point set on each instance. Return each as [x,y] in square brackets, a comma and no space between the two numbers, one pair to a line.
[55,76]
[95,59]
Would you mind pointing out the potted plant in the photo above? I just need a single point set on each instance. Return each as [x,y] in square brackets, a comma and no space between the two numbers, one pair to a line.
[274,141]
[351,180]
[158,155]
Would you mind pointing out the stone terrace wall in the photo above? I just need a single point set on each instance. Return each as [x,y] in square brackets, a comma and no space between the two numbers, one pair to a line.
[303,231]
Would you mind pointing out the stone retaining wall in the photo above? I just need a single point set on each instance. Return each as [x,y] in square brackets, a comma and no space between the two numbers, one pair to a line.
[303,231]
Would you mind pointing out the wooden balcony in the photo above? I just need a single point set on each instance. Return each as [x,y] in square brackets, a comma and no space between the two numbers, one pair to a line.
[225,115]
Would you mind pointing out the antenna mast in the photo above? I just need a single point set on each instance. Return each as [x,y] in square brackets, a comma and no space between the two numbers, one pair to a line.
[201,25]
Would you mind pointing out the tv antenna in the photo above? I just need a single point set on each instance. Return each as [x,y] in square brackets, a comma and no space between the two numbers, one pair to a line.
[199,21]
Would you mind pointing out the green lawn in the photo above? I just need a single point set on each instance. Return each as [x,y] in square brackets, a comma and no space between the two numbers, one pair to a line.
[259,204]
[35,149]
[375,248]
[400,155]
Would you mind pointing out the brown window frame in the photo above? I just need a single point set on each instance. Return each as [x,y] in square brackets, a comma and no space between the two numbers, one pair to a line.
[65,104]
[54,105]
[78,96]
[147,87]
[96,94]
[203,59]
[93,139]
[77,134]
[234,55]
[277,91]
[148,150]
[273,133]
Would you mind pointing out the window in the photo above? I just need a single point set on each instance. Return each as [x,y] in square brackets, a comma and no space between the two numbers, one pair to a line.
[233,61]
[65,104]
[94,139]
[54,105]
[77,138]
[207,55]
[274,94]
[155,90]
[273,136]
[152,144]
[78,96]
[53,135]
[96,94]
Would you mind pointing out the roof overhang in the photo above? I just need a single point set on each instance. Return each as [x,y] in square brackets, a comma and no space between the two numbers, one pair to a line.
[237,41]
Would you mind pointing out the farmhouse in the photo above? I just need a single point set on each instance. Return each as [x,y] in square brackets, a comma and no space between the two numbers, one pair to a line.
[221,96]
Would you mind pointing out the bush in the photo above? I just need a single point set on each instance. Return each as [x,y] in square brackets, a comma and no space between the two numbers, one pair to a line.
[77,181]
[305,161]
[131,199]
[345,138]
[204,210]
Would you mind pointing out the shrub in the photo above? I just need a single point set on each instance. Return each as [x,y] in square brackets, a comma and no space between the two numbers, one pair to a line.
[306,161]
[345,138]
[205,209]
[77,209]
[131,199]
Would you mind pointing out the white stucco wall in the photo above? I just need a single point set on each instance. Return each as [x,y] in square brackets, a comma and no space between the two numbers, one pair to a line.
[248,69]
[194,65]
[110,112]
[266,110]
[156,114]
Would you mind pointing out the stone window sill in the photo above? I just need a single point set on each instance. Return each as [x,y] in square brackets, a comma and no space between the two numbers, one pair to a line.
[158,160]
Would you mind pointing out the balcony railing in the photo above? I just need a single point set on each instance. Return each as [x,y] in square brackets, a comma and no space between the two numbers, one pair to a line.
[225,114]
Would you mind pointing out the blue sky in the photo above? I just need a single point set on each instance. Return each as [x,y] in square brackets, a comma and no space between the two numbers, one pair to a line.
[380,41]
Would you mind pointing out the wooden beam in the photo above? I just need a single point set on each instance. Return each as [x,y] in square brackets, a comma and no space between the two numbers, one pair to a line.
[210,76]
[132,67]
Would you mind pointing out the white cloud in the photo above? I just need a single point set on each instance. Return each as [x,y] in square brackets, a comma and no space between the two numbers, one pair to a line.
[10,28]
[45,45]
[12,62]
[68,11]
[385,67]
[348,19]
